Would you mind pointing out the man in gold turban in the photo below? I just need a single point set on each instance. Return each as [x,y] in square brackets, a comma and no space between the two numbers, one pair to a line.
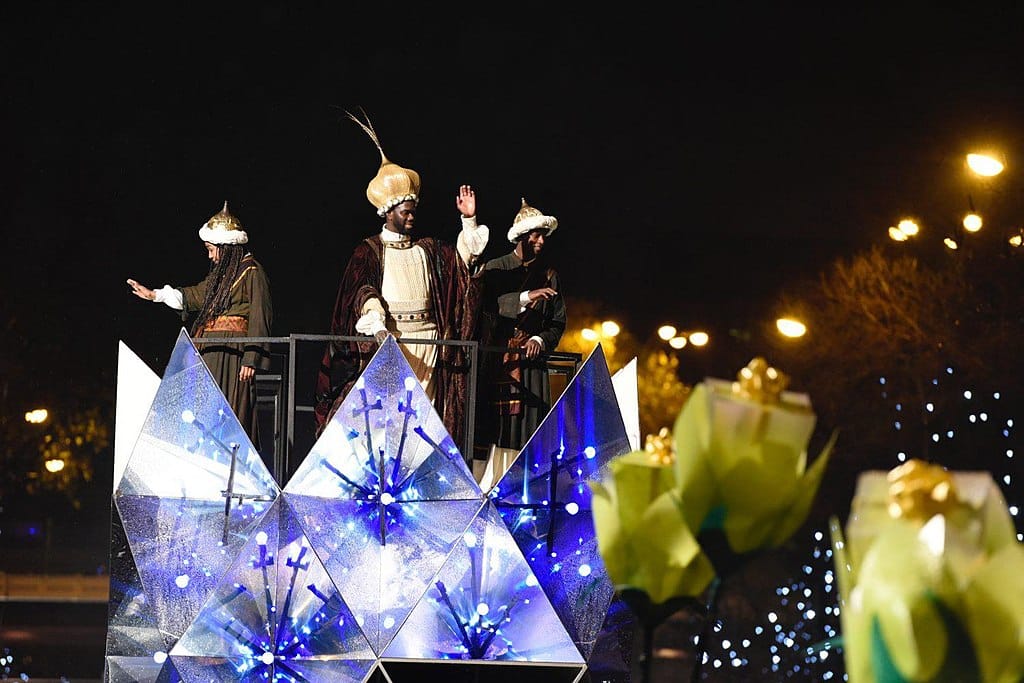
[403,285]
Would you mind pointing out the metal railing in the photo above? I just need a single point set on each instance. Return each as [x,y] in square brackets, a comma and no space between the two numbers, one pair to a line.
[293,376]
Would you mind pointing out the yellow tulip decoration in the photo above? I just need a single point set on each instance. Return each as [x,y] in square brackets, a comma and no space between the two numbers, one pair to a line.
[931,579]
[730,481]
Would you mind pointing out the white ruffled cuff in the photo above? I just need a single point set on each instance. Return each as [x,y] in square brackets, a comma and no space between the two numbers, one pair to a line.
[170,296]
[472,240]
[370,323]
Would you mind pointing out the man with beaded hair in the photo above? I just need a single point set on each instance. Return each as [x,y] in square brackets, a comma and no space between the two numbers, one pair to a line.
[232,301]
[405,286]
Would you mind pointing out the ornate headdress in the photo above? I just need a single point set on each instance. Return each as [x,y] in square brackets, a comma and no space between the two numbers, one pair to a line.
[529,219]
[223,228]
[393,184]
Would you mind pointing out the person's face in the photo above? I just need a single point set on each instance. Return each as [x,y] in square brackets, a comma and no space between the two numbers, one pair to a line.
[401,218]
[533,243]
[212,252]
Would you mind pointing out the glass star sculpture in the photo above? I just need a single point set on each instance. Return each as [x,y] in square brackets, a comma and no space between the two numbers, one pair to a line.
[380,555]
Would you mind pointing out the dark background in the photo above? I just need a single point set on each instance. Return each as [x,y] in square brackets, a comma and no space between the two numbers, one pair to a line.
[697,157]
[700,157]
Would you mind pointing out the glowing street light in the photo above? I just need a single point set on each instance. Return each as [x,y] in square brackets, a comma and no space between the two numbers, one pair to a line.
[610,328]
[791,327]
[679,339]
[37,416]
[699,338]
[904,230]
[972,222]
[603,331]
[984,165]
[54,465]
[908,226]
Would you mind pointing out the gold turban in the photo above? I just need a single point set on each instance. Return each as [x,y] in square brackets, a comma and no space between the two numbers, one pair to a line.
[393,184]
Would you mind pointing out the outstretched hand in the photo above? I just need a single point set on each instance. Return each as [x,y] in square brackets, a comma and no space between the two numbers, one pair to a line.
[466,201]
[141,291]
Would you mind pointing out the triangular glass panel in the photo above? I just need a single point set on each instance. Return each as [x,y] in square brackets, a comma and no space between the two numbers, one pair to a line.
[238,668]
[191,444]
[409,671]
[385,440]
[132,626]
[276,613]
[611,659]
[544,498]
[192,491]
[137,385]
[381,581]
[485,604]
[139,670]
[182,548]
[386,466]
[624,382]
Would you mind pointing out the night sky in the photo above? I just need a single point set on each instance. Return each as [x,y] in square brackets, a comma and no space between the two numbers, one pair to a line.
[698,158]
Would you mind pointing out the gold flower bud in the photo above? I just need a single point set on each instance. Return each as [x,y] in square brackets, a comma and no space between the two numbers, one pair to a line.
[919,490]
[760,382]
[659,447]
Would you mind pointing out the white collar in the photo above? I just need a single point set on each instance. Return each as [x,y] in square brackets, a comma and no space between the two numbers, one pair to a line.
[392,236]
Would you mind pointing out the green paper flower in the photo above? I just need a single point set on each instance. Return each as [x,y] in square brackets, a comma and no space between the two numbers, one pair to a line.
[742,464]
[735,464]
[642,533]
[930,579]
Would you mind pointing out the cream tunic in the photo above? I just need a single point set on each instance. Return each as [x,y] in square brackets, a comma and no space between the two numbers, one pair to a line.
[406,287]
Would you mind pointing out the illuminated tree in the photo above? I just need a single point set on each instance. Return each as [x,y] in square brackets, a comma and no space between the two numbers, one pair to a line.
[887,332]
[661,393]
[76,432]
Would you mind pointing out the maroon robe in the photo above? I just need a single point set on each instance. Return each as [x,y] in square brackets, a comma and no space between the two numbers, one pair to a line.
[456,302]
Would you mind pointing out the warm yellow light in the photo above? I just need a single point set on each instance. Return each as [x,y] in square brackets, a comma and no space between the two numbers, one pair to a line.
[1016,240]
[791,327]
[610,328]
[589,334]
[666,332]
[37,416]
[951,243]
[677,342]
[54,465]
[972,222]
[699,338]
[984,165]
[908,227]
[897,234]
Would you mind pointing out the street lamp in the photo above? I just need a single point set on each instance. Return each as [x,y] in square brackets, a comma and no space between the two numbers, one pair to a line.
[904,230]
[972,222]
[37,416]
[606,330]
[791,328]
[678,339]
[984,165]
